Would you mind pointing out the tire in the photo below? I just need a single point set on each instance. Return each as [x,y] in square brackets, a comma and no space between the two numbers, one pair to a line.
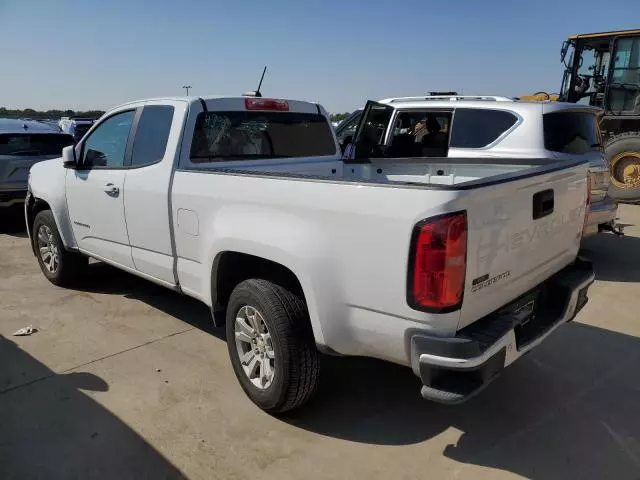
[625,142]
[295,364]
[61,267]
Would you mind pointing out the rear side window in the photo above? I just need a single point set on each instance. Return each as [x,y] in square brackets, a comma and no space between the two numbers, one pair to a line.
[245,135]
[34,144]
[571,132]
[152,134]
[477,128]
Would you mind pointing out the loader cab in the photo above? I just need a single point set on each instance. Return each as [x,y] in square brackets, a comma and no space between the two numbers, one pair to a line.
[603,70]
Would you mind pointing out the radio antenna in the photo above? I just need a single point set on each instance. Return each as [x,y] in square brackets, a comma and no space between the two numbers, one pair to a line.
[258,94]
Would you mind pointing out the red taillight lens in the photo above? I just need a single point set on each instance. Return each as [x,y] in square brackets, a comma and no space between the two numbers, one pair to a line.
[587,208]
[266,104]
[440,263]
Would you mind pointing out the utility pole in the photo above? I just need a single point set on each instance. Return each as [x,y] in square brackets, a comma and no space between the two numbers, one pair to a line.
[187,87]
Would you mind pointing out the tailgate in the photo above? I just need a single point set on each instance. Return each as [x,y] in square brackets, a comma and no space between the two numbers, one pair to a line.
[520,233]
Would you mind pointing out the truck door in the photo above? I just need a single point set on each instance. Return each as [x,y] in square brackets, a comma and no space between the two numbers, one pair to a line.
[95,190]
[146,196]
[370,135]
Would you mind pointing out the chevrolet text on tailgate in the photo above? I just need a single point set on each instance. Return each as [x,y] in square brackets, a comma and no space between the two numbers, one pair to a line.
[452,266]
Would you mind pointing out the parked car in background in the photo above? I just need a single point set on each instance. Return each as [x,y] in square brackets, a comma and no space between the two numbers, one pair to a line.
[22,144]
[347,127]
[75,126]
[442,265]
[500,127]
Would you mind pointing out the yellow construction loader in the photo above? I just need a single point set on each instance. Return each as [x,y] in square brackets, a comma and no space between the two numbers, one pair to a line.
[603,70]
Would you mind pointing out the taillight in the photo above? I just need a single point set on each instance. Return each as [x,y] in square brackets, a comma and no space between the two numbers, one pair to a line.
[258,103]
[587,207]
[438,262]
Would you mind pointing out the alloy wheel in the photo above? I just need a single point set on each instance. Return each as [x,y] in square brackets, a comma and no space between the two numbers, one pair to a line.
[48,249]
[254,347]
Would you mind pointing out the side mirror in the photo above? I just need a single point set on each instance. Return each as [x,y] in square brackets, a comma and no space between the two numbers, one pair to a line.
[563,50]
[69,157]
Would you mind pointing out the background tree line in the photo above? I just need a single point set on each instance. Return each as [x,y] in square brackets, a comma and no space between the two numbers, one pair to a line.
[48,114]
[56,114]
[338,117]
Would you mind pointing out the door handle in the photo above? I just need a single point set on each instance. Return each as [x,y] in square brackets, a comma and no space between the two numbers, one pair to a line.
[111,189]
[543,204]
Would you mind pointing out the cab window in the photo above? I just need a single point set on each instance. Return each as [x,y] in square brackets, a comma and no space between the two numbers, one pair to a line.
[152,135]
[624,90]
[239,135]
[107,144]
[479,127]
[571,132]
[422,133]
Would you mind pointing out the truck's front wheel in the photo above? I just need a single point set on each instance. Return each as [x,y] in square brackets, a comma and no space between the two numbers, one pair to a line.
[271,345]
[60,266]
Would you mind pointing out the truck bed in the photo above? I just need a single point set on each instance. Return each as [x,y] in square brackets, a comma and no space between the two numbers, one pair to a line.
[438,173]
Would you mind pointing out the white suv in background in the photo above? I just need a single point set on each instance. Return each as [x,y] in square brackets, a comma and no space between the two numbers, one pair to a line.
[490,126]
[75,126]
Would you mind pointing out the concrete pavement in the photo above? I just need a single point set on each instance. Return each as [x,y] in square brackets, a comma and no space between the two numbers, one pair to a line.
[127,380]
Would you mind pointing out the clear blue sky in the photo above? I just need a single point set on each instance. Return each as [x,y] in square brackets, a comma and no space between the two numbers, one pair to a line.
[84,54]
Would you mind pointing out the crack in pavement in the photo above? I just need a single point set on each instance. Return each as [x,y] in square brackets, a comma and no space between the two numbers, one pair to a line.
[96,360]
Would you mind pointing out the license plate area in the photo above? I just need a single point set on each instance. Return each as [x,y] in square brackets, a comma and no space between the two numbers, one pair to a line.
[535,317]
[536,312]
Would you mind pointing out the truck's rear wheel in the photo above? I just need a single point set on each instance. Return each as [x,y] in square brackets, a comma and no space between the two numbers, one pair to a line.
[60,266]
[271,345]
[623,155]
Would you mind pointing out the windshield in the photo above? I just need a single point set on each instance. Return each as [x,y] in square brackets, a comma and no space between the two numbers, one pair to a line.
[220,136]
[592,71]
[591,62]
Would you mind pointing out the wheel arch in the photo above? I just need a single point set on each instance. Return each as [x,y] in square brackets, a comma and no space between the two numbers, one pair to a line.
[32,208]
[230,267]
[47,186]
[35,205]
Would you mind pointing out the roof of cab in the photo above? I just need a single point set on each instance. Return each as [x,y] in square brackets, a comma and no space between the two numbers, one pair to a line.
[614,33]
[196,100]
[14,125]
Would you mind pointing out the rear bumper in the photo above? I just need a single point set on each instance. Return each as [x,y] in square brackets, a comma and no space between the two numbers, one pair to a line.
[454,369]
[603,212]
[12,197]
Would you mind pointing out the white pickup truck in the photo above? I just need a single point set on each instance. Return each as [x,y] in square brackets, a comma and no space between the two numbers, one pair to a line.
[454,267]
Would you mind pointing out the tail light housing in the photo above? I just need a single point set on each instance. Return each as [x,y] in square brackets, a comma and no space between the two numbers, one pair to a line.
[438,263]
[587,207]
